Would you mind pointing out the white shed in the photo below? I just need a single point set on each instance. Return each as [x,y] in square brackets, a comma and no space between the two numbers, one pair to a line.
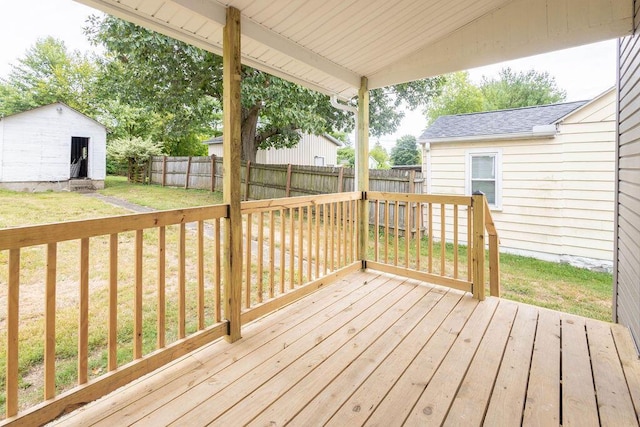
[312,150]
[548,173]
[52,147]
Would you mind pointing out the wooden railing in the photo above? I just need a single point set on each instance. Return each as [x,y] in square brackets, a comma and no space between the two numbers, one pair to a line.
[145,289]
[295,245]
[142,298]
[441,239]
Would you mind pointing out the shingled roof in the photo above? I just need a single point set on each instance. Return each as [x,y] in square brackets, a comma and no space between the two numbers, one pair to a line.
[501,122]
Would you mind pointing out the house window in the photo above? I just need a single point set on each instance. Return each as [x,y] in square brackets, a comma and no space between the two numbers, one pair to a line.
[484,174]
[318,161]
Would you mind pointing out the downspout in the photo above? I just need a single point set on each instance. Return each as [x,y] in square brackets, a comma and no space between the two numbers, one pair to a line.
[354,110]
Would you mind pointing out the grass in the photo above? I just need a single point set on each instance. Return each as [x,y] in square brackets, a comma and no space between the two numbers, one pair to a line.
[158,197]
[556,286]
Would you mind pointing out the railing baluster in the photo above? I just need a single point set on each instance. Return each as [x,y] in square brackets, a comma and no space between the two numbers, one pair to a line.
[282,253]
[300,243]
[13,319]
[317,240]
[50,323]
[137,329]
[332,227]
[182,282]
[161,320]
[430,247]
[407,232]
[83,327]
[443,238]
[339,207]
[376,238]
[112,338]
[345,232]
[247,278]
[396,229]
[292,248]
[455,241]
[272,270]
[386,231]
[218,273]
[309,241]
[260,254]
[469,264]
[325,226]
[418,234]
[200,255]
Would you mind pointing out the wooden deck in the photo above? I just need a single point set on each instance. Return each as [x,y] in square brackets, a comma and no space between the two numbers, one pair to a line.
[384,350]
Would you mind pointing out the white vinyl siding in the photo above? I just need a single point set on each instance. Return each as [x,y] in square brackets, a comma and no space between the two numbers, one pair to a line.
[556,194]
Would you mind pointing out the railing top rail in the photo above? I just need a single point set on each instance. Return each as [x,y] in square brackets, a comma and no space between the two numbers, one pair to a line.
[420,198]
[488,220]
[20,237]
[294,202]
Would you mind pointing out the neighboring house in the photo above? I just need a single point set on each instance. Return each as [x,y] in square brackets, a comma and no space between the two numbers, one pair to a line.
[313,150]
[53,147]
[547,171]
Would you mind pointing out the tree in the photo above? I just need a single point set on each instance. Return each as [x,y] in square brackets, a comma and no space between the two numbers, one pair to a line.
[49,73]
[513,90]
[184,84]
[510,90]
[406,152]
[380,155]
[458,96]
[347,156]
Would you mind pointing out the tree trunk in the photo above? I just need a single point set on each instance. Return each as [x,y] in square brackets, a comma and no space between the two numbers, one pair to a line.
[249,126]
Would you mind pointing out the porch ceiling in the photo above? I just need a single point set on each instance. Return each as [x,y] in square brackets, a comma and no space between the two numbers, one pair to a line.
[328,45]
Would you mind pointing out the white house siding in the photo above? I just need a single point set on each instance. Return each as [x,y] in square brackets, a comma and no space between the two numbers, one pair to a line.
[304,153]
[557,193]
[627,265]
[36,145]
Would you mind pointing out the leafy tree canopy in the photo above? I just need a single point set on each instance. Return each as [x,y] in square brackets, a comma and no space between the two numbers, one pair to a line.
[406,152]
[184,84]
[380,155]
[509,90]
[347,156]
[49,73]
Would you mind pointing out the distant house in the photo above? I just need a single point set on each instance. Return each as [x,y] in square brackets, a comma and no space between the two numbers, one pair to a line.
[53,147]
[547,172]
[312,150]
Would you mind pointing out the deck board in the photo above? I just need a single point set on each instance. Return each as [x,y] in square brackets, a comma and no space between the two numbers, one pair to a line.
[375,349]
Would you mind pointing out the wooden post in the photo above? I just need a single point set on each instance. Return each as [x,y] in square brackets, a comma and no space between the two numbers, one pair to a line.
[247,180]
[412,189]
[340,179]
[232,147]
[213,172]
[186,181]
[362,159]
[478,246]
[288,188]
[164,171]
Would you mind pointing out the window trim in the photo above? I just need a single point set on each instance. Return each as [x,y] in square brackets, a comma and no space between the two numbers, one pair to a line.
[497,153]
[315,158]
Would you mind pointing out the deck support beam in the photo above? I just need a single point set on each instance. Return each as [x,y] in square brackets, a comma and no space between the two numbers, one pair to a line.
[232,149]
[362,168]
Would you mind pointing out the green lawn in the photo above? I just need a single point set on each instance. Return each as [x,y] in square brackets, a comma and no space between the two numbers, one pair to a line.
[158,197]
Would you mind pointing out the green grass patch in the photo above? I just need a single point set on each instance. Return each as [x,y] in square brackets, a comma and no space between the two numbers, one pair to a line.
[158,197]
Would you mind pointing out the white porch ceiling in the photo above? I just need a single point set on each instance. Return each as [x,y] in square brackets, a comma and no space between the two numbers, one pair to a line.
[328,45]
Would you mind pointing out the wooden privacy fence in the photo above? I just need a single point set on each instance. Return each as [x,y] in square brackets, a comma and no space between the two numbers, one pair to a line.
[277,181]
[168,301]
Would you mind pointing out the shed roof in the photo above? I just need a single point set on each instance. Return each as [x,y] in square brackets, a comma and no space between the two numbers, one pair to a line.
[62,104]
[500,122]
[329,45]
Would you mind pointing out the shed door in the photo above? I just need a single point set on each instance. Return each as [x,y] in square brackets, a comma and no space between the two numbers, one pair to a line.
[79,156]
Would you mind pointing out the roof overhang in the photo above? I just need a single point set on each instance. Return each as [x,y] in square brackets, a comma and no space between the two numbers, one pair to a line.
[327,46]
[538,132]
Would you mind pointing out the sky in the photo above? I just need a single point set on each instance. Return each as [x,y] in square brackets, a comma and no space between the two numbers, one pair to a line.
[582,72]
